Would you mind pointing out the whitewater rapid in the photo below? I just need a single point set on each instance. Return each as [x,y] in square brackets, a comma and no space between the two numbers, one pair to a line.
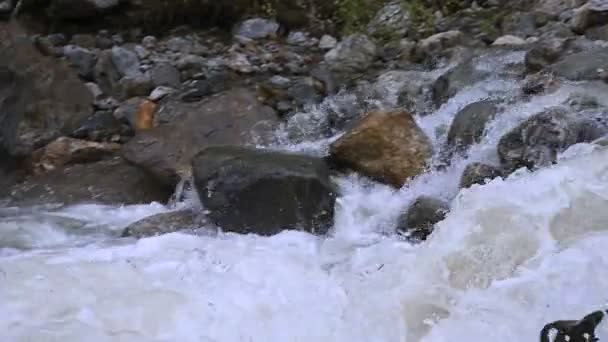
[511,256]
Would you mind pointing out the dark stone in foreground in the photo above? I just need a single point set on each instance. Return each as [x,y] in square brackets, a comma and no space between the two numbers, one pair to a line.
[477,173]
[163,224]
[110,181]
[573,331]
[421,216]
[264,192]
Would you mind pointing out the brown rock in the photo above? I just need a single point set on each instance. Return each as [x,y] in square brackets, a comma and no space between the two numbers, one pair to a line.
[387,146]
[66,150]
[144,118]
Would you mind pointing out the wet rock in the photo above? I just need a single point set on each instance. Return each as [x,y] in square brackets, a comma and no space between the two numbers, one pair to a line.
[257,28]
[111,181]
[539,83]
[537,141]
[77,9]
[588,15]
[104,40]
[581,101]
[106,75]
[6,7]
[125,61]
[581,66]
[327,42]
[522,24]
[435,45]
[304,91]
[355,53]
[40,98]
[544,53]
[264,192]
[469,123]
[46,48]
[179,44]
[64,151]
[407,89]
[81,59]
[390,22]
[165,223]
[478,173]
[230,118]
[165,74]
[102,126]
[421,216]
[138,85]
[387,146]
[509,40]
[573,330]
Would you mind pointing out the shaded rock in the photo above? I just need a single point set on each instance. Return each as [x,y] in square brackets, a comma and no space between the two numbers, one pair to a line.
[598,33]
[509,40]
[6,7]
[125,61]
[390,22]
[591,14]
[544,53]
[421,216]
[165,74]
[436,44]
[539,83]
[160,92]
[408,89]
[138,85]
[469,123]
[127,111]
[537,141]
[102,126]
[149,42]
[95,90]
[257,28]
[81,59]
[105,73]
[478,173]
[264,192]
[573,330]
[179,44]
[581,66]
[111,181]
[40,97]
[522,24]
[75,9]
[83,40]
[304,91]
[66,150]
[230,118]
[387,146]
[164,223]
[355,53]
[327,42]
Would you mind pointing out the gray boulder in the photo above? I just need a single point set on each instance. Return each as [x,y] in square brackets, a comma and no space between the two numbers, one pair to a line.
[420,217]
[230,118]
[469,124]
[125,61]
[165,223]
[263,192]
[390,22]
[478,173]
[257,28]
[81,59]
[165,74]
[537,141]
[355,53]
[593,13]
[111,181]
[582,66]
[40,98]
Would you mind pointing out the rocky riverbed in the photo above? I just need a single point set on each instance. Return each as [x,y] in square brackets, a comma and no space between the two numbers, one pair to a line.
[226,171]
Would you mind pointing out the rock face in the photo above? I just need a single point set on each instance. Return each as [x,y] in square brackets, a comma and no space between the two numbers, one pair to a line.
[264,192]
[164,223]
[537,141]
[355,53]
[477,173]
[35,107]
[421,216]
[469,124]
[387,146]
[582,66]
[66,150]
[231,118]
[110,181]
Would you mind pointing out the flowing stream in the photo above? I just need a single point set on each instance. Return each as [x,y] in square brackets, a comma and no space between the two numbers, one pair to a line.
[511,256]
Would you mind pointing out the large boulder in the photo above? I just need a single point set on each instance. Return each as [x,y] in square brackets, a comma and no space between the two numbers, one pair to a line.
[41,98]
[537,141]
[387,146]
[264,192]
[230,118]
[581,66]
[181,220]
[469,123]
[420,217]
[353,54]
[111,181]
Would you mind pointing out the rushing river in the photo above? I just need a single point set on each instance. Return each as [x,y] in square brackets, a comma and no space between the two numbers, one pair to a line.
[510,257]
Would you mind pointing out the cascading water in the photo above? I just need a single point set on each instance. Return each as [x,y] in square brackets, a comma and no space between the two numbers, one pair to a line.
[511,256]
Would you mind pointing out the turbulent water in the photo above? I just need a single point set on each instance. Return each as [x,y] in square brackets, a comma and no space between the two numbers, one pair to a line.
[510,257]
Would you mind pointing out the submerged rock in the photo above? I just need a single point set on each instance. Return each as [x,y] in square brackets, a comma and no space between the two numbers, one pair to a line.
[478,173]
[537,141]
[111,181]
[387,146]
[164,223]
[421,216]
[264,192]
[230,118]
[469,123]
